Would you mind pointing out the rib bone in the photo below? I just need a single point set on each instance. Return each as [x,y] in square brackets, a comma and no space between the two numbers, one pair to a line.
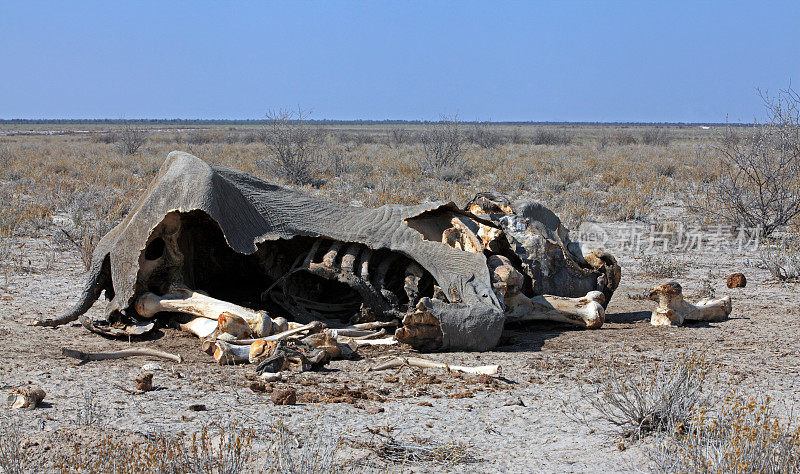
[198,304]
[673,310]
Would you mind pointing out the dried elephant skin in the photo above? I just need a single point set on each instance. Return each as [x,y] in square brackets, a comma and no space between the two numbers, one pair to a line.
[213,240]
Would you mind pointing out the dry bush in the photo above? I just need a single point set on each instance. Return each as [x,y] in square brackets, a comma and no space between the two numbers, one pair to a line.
[200,137]
[131,139]
[662,267]
[759,186]
[317,450]
[293,143]
[782,258]
[442,145]
[398,137]
[655,136]
[640,400]
[107,137]
[484,136]
[625,138]
[551,137]
[740,435]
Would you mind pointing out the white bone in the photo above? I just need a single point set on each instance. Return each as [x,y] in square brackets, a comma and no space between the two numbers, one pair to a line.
[226,353]
[26,397]
[312,326]
[429,364]
[586,311]
[198,304]
[200,327]
[673,310]
[386,341]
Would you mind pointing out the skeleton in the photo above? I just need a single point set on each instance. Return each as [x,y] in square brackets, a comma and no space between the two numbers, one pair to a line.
[207,244]
[673,310]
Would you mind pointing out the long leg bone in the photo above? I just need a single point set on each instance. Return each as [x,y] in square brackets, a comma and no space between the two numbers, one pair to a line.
[673,310]
[198,304]
[429,364]
[507,282]
[313,326]
[586,311]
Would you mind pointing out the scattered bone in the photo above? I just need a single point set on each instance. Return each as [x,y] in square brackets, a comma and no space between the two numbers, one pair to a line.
[312,326]
[271,376]
[183,300]
[673,310]
[386,341]
[429,364]
[26,397]
[226,354]
[151,367]
[737,280]
[375,334]
[376,324]
[144,382]
[200,327]
[233,327]
[134,352]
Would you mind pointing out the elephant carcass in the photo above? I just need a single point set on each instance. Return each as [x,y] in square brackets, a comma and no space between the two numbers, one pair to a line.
[234,242]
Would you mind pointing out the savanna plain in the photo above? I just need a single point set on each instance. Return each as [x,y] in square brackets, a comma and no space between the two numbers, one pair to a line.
[670,202]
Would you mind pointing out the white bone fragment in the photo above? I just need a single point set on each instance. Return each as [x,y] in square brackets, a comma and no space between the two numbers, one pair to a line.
[26,397]
[673,310]
[429,364]
[226,353]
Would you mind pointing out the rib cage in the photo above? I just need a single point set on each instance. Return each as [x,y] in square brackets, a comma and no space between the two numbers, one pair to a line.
[383,284]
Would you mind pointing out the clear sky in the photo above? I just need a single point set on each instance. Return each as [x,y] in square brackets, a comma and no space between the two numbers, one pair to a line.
[540,61]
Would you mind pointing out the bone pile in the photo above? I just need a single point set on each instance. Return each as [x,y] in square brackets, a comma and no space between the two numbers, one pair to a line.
[233,334]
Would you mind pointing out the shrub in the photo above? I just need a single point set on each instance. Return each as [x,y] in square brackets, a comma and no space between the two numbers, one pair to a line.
[643,400]
[442,145]
[663,267]
[759,184]
[293,143]
[625,138]
[131,139]
[483,135]
[782,259]
[551,137]
[14,459]
[655,136]
[397,137]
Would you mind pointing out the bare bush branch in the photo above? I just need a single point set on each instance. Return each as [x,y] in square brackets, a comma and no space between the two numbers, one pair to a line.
[131,139]
[293,143]
[442,145]
[759,186]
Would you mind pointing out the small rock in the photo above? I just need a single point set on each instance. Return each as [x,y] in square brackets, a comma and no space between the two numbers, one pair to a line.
[737,280]
[151,367]
[258,387]
[197,407]
[425,404]
[374,410]
[284,397]
[391,379]
[144,382]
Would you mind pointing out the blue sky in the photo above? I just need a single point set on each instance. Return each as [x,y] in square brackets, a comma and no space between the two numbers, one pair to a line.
[538,61]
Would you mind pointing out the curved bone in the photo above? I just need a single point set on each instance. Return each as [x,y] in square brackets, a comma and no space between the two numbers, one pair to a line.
[198,304]
[673,310]
[136,351]
[429,364]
